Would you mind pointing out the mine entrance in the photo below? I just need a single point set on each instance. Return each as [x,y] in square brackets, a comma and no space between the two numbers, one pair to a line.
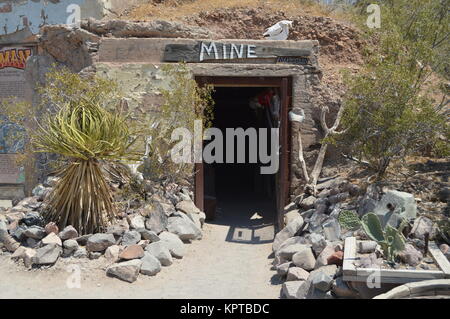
[235,191]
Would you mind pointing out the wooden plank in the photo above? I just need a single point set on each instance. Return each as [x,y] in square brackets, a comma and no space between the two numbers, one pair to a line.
[402,273]
[282,176]
[440,259]
[216,51]
[348,266]
[228,81]
[384,280]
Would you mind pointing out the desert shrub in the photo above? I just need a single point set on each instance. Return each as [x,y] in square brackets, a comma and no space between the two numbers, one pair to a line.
[86,127]
[390,107]
[184,101]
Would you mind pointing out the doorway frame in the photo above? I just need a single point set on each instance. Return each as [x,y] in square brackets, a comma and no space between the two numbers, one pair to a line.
[285,85]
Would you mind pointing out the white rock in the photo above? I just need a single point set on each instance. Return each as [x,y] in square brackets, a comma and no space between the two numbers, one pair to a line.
[112,253]
[126,271]
[52,238]
[187,206]
[184,228]
[287,232]
[304,259]
[288,251]
[290,288]
[136,221]
[161,252]
[297,273]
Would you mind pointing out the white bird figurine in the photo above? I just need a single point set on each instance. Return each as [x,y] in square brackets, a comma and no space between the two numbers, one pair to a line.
[279,31]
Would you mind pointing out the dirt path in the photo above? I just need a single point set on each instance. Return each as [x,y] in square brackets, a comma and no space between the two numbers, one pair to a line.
[215,267]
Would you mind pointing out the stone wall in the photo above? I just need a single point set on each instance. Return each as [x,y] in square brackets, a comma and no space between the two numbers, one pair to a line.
[136,65]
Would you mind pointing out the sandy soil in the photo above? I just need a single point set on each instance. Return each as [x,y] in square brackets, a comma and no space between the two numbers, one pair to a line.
[229,262]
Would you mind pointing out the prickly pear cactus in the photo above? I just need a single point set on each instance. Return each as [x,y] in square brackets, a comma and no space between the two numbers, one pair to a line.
[395,240]
[444,230]
[372,227]
[390,239]
[349,220]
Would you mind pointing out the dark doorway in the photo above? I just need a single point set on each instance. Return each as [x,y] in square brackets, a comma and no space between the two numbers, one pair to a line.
[237,194]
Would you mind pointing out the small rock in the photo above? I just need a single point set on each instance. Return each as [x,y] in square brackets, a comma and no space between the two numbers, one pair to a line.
[112,253]
[19,233]
[68,232]
[307,203]
[187,207]
[322,281]
[71,244]
[52,238]
[318,243]
[51,181]
[342,290]
[51,228]
[332,230]
[126,271]
[157,219]
[289,251]
[304,259]
[422,225]
[290,288]
[287,232]
[161,252]
[119,228]
[297,273]
[196,219]
[94,255]
[337,258]
[136,221]
[39,190]
[33,219]
[173,243]
[26,254]
[367,246]
[82,240]
[150,265]
[99,242]
[148,235]
[322,259]
[80,253]
[35,232]
[410,255]
[291,215]
[184,228]
[33,243]
[131,237]
[132,252]
[282,269]
[47,255]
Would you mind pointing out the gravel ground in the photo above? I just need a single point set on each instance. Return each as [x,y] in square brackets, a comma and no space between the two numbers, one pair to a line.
[229,262]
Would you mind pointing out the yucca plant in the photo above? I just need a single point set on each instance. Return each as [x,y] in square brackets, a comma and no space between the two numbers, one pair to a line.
[87,135]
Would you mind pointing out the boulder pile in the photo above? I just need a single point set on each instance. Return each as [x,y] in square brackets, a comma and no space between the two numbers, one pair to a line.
[309,250]
[140,241]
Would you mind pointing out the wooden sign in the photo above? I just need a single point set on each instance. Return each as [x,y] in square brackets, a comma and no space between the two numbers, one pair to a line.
[232,52]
